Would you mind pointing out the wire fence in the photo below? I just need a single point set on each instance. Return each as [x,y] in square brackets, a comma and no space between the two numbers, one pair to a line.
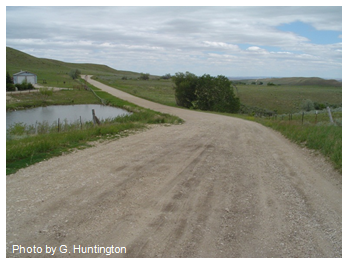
[314,117]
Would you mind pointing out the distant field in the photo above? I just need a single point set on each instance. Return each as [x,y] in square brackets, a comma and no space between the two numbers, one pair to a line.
[154,89]
[287,99]
[297,81]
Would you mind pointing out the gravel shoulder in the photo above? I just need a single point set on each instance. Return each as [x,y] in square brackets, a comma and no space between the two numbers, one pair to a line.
[215,186]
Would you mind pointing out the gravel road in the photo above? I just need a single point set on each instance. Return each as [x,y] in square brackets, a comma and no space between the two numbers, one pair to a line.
[214,186]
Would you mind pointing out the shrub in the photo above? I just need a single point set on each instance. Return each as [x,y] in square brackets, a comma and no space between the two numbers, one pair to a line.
[24,86]
[166,76]
[74,73]
[144,76]
[10,87]
[307,105]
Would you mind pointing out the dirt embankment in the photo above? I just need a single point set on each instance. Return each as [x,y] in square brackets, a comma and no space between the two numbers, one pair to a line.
[213,187]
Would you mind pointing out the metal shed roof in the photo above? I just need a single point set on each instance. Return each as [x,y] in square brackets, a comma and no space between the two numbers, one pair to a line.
[26,73]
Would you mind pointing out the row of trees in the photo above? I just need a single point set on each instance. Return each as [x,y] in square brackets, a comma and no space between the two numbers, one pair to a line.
[205,92]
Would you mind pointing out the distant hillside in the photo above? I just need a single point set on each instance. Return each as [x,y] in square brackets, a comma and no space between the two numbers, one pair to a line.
[297,81]
[54,71]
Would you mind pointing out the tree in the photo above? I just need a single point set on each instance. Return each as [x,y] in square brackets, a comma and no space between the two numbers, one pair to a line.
[8,78]
[185,88]
[216,94]
[9,83]
[74,73]
[205,93]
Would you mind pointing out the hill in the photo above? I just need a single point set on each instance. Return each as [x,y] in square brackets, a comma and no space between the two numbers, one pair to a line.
[55,72]
[296,81]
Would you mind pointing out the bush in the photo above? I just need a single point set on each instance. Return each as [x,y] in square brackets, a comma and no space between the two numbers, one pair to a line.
[74,73]
[24,86]
[144,76]
[166,76]
[307,105]
[20,86]
[319,106]
[10,87]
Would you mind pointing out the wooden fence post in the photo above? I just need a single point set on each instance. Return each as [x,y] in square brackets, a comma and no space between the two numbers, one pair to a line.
[93,116]
[330,116]
[302,116]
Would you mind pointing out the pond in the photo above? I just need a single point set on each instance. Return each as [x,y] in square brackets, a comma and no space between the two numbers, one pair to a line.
[71,113]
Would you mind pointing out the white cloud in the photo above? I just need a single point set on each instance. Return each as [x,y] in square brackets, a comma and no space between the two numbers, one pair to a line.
[178,38]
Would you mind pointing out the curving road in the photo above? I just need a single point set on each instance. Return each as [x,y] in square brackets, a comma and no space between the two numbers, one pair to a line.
[215,186]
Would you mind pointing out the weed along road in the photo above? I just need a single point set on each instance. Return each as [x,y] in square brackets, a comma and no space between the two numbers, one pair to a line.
[214,186]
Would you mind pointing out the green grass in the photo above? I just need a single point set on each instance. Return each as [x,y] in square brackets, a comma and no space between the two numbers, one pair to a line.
[63,97]
[326,139]
[287,99]
[155,89]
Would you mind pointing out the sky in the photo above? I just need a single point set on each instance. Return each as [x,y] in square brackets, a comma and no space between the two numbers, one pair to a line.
[234,41]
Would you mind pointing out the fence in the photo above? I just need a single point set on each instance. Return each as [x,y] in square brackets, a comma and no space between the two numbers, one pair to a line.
[316,117]
[103,101]
[57,126]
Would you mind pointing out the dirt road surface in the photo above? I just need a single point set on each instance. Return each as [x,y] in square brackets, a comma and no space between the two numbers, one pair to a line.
[214,186]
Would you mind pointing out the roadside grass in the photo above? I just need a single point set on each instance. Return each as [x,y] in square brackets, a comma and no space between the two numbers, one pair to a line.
[325,138]
[27,149]
[315,133]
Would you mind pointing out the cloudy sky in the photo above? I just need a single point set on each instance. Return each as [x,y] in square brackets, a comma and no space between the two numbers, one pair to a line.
[232,41]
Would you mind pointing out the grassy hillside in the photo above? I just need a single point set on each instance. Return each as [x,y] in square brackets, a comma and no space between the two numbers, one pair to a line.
[54,72]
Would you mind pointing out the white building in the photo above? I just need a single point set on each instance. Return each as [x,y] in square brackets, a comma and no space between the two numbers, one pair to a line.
[24,76]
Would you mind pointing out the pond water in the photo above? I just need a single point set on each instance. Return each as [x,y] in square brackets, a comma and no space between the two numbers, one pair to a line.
[71,113]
